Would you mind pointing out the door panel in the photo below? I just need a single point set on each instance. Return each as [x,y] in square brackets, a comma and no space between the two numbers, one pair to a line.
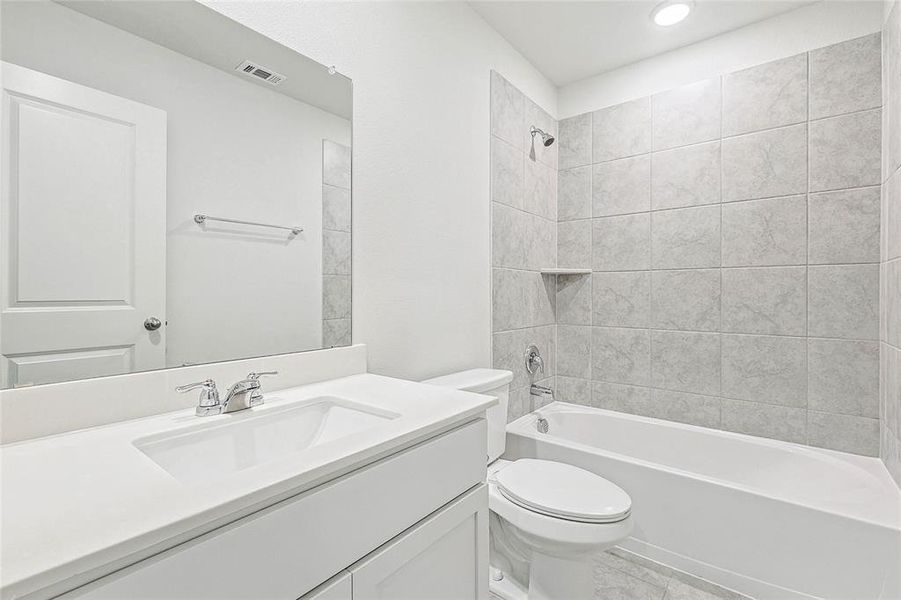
[82,231]
[88,162]
[55,366]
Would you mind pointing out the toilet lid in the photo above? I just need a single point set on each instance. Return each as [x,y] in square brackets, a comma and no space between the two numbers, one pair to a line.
[564,491]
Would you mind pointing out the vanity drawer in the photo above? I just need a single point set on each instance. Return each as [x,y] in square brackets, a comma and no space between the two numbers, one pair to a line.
[286,550]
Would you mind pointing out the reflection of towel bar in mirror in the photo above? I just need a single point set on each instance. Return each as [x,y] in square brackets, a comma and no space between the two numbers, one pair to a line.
[201,218]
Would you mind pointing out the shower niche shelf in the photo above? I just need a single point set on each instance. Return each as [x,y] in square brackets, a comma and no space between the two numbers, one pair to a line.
[561,271]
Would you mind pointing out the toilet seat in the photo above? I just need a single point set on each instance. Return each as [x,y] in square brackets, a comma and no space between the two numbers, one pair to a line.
[563,491]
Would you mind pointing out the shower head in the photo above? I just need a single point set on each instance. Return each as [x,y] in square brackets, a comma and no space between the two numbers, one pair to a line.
[546,138]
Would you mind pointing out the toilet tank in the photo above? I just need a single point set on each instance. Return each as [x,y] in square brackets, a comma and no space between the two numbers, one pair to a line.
[491,382]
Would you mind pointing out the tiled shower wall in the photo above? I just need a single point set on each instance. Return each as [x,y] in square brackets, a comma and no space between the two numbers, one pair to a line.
[336,263]
[732,227]
[524,237]
[890,330]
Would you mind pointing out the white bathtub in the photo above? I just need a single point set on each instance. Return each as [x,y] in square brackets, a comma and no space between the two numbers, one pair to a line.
[766,518]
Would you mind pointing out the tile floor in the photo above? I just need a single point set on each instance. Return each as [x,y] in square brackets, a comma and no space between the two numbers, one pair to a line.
[621,575]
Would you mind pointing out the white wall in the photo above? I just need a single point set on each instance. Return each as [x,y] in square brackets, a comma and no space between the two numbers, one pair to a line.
[229,295]
[813,26]
[421,287]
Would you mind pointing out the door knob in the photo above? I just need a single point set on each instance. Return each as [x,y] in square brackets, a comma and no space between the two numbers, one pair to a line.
[152,323]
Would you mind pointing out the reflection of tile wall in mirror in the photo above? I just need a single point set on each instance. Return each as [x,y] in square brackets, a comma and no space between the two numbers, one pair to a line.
[336,244]
[225,143]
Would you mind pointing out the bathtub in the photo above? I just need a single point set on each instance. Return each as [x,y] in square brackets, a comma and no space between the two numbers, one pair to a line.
[769,519]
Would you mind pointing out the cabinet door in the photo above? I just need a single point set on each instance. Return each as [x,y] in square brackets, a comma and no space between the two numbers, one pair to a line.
[337,588]
[445,556]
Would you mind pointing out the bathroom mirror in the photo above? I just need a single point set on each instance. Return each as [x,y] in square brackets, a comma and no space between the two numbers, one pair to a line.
[175,191]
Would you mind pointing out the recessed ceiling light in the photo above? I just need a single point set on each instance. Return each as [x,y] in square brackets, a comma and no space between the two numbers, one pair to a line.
[670,13]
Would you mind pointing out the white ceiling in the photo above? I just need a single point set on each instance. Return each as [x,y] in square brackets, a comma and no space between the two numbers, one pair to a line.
[570,40]
[192,29]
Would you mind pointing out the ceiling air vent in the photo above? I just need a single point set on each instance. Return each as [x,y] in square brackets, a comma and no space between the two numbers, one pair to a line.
[260,72]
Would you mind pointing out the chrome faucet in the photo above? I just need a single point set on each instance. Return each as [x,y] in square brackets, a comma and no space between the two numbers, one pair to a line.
[541,390]
[242,395]
[535,367]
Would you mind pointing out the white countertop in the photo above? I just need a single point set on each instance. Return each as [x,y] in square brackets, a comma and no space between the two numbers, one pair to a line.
[79,505]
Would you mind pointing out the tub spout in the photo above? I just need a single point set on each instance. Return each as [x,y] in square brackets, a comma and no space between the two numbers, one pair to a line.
[540,390]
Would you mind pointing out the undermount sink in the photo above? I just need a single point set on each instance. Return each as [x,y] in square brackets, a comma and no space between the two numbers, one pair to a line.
[250,438]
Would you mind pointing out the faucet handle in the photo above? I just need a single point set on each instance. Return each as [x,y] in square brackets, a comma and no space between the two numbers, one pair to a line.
[256,397]
[207,384]
[209,396]
[254,375]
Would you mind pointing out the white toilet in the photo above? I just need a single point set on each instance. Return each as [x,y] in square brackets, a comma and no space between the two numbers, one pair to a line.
[547,518]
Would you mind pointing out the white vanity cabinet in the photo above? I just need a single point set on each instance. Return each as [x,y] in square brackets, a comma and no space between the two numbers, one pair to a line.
[445,557]
[411,525]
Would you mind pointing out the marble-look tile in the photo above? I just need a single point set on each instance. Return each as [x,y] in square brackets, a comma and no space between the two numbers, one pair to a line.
[890,453]
[336,296]
[507,111]
[844,226]
[620,355]
[539,401]
[893,34]
[642,567]
[335,332]
[765,232]
[890,387]
[621,243]
[574,244]
[613,584]
[686,361]
[846,77]
[507,164]
[622,561]
[687,176]
[886,107]
[843,377]
[891,216]
[786,423]
[621,299]
[891,292]
[538,117]
[621,187]
[765,164]
[574,194]
[573,390]
[679,590]
[687,300]
[574,299]
[521,299]
[710,590]
[845,151]
[520,240]
[336,167]
[540,189]
[686,238]
[517,404]
[765,300]
[770,95]
[630,399]
[843,301]
[336,253]
[621,130]
[575,142]
[767,369]
[335,208]
[683,407]
[687,115]
[857,435]
[574,351]
[508,349]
